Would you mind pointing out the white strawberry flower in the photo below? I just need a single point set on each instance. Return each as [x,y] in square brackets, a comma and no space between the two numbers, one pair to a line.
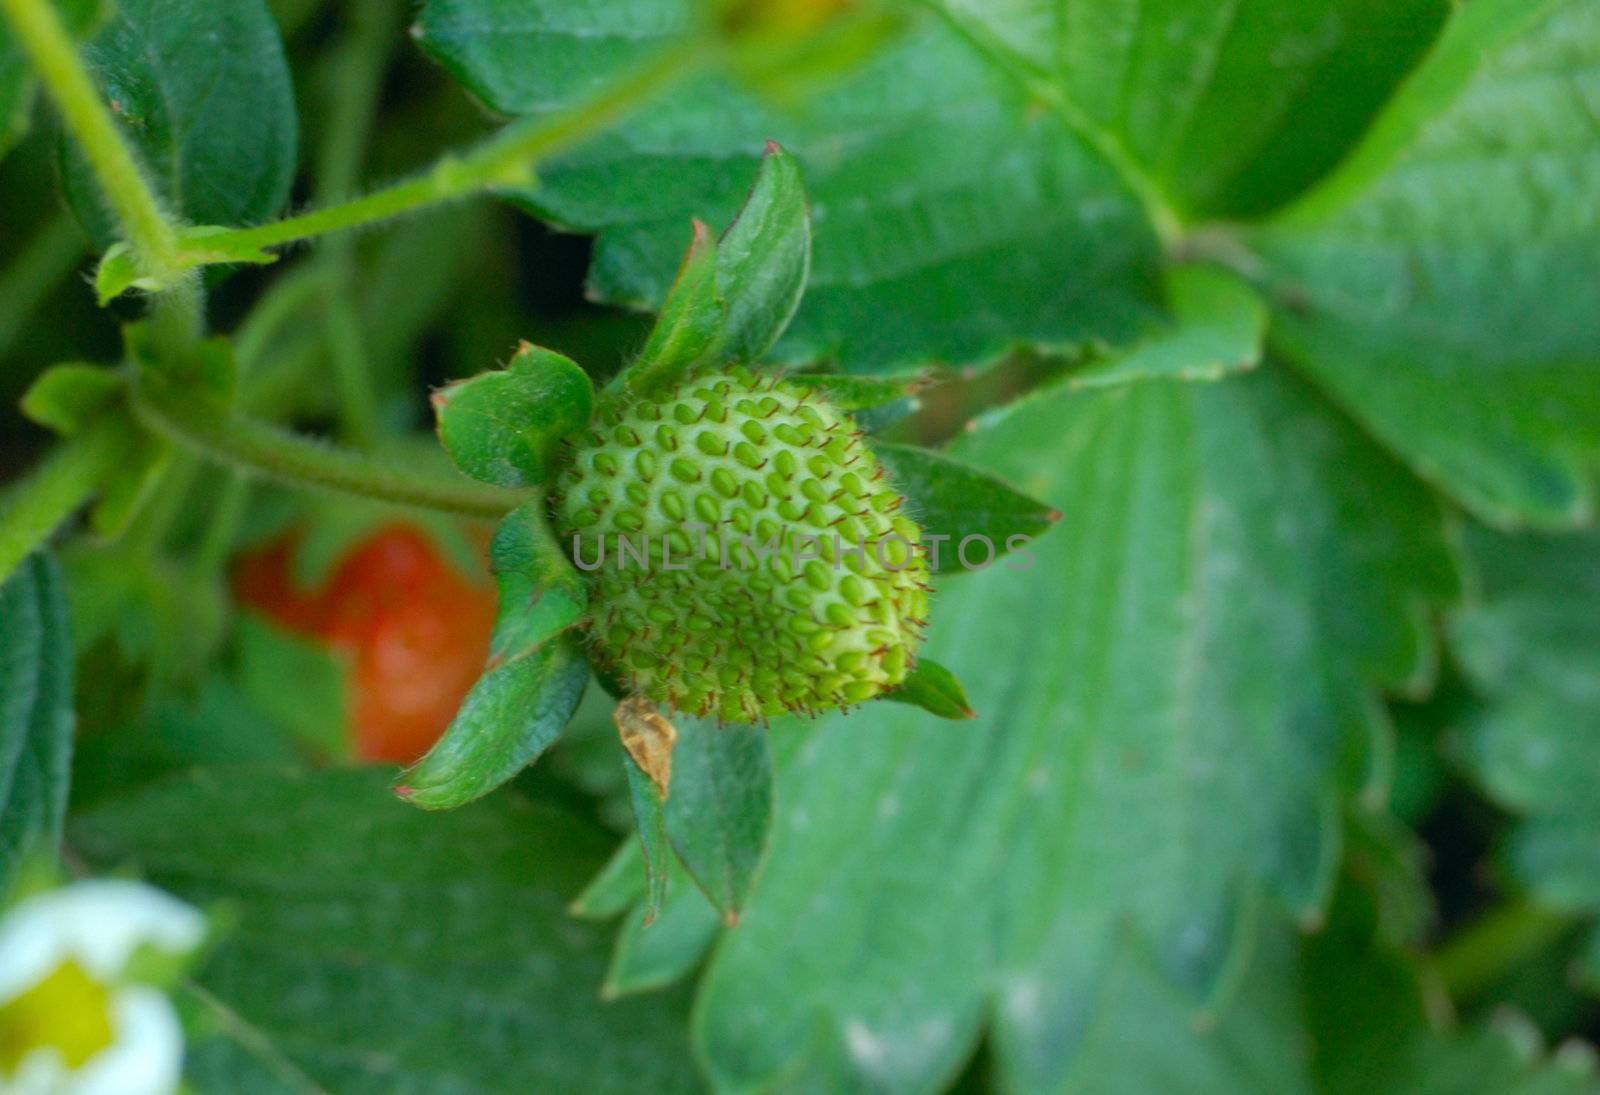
[75,1017]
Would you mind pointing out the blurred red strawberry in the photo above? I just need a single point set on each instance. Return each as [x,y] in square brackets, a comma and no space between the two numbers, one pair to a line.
[415,631]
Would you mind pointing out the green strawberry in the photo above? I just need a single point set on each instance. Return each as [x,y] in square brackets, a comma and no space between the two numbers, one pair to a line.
[708,602]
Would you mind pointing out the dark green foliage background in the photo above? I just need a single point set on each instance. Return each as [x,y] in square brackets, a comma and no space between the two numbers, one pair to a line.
[1283,776]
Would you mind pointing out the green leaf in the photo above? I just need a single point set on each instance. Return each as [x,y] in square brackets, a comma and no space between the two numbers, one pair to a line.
[1372,1017]
[213,727]
[690,327]
[1218,325]
[1227,109]
[650,818]
[954,219]
[1530,644]
[17,82]
[764,259]
[935,689]
[378,947]
[502,427]
[541,594]
[511,716]
[1173,700]
[1438,286]
[1337,1014]
[203,93]
[298,683]
[719,815]
[651,954]
[36,718]
[968,517]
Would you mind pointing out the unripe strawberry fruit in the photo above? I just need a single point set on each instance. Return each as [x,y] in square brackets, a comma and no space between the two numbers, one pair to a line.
[727,485]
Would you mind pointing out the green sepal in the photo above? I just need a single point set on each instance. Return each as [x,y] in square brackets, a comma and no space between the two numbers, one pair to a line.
[650,956]
[719,817]
[501,427]
[650,815]
[202,245]
[764,259]
[732,299]
[935,689]
[615,889]
[512,715]
[541,594]
[1218,328]
[122,495]
[953,501]
[119,272]
[688,331]
[67,397]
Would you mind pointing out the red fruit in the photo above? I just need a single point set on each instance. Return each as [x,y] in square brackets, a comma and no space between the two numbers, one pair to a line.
[415,630]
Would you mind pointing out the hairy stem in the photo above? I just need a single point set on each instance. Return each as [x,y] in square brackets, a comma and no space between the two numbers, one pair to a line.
[177,316]
[251,445]
[35,506]
[50,48]
[506,159]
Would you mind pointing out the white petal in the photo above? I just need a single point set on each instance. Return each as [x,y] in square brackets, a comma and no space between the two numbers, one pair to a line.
[146,1057]
[40,1072]
[98,923]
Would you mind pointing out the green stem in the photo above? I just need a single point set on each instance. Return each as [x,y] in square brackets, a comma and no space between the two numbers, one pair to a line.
[358,68]
[504,160]
[1486,950]
[50,48]
[49,256]
[254,446]
[177,316]
[35,506]
[351,371]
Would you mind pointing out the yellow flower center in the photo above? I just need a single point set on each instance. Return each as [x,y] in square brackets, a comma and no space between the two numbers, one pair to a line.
[68,1011]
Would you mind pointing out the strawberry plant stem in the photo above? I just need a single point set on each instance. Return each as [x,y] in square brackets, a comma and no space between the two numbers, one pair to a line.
[149,232]
[506,159]
[254,446]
